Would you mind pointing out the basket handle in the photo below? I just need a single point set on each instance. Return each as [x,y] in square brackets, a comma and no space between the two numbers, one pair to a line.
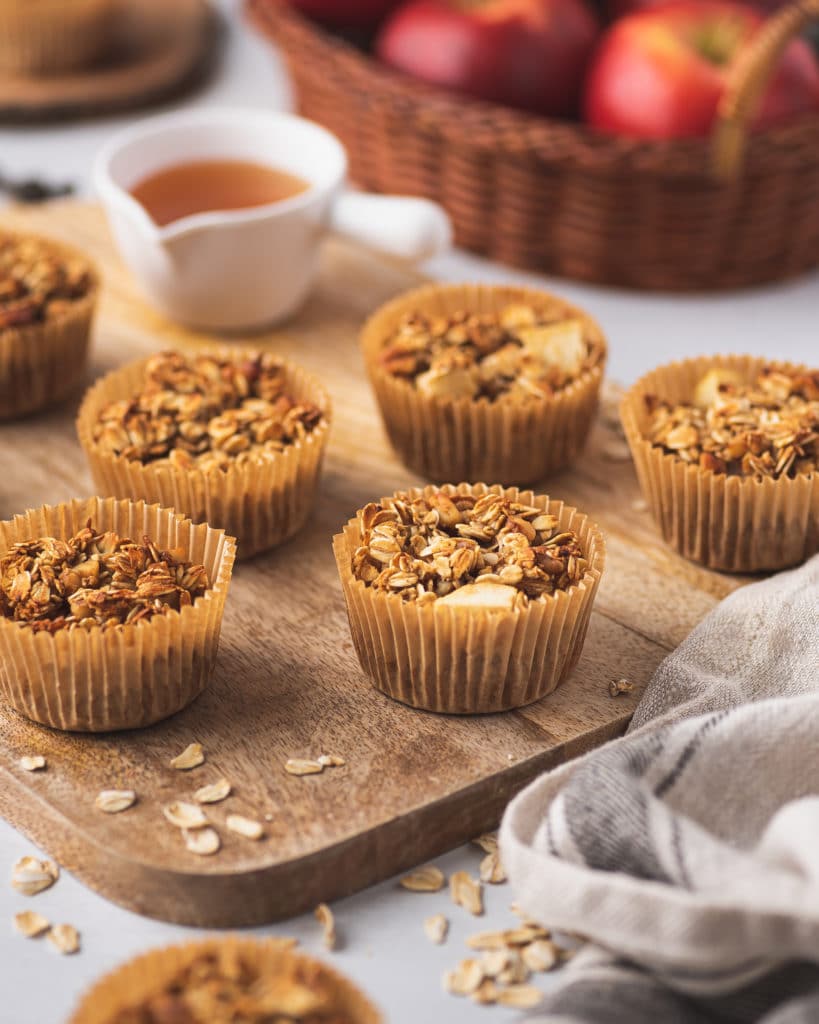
[747,79]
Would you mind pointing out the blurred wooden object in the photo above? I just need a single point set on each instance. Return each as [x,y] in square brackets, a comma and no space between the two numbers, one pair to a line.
[556,197]
[160,48]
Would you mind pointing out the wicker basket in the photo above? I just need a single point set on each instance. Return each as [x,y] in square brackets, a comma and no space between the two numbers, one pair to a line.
[555,197]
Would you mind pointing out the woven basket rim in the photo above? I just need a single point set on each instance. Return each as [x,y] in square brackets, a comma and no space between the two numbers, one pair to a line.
[485,126]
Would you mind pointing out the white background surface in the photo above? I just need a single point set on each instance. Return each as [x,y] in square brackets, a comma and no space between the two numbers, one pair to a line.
[384,947]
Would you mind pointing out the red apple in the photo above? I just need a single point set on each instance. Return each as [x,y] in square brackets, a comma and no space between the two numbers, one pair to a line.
[660,73]
[523,53]
[346,13]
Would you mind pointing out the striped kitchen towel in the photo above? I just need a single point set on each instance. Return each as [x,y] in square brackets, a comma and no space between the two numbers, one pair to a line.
[688,850]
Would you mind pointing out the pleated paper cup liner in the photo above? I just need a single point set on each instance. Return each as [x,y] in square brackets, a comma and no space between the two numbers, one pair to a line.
[147,976]
[120,677]
[730,523]
[511,440]
[262,502]
[465,660]
[42,363]
[42,37]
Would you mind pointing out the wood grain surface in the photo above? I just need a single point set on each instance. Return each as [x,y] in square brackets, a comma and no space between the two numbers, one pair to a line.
[160,49]
[287,683]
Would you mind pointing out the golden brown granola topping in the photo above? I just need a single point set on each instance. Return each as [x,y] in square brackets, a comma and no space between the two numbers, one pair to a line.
[94,580]
[204,412]
[36,283]
[485,552]
[769,428]
[519,351]
[226,986]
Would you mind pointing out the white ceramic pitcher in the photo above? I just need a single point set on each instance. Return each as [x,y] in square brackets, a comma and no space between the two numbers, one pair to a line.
[247,268]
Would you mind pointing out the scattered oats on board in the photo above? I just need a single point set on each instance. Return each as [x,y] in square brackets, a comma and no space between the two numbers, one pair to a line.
[464,979]
[32,762]
[325,918]
[113,801]
[491,869]
[31,924]
[466,892]
[185,815]
[427,879]
[202,841]
[302,766]
[486,994]
[243,826]
[213,793]
[191,757]
[331,761]
[65,938]
[618,686]
[30,875]
[521,997]
[495,961]
[435,928]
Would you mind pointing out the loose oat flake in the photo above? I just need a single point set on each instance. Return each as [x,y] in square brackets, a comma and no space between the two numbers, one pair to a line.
[492,870]
[30,875]
[202,841]
[486,994]
[191,757]
[488,842]
[426,879]
[32,763]
[618,686]
[213,793]
[521,997]
[325,918]
[331,761]
[464,979]
[540,955]
[185,815]
[31,924]
[65,938]
[113,801]
[246,827]
[466,892]
[302,766]
[436,928]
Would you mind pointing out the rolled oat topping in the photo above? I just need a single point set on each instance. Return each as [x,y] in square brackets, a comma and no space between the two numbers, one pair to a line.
[482,552]
[94,580]
[203,412]
[769,428]
[226,986]
[519,351]
[37,284]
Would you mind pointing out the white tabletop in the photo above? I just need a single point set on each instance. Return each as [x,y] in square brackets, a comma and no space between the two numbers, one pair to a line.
[384,947]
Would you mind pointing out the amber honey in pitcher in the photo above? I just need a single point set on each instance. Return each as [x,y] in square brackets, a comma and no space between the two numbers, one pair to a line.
[206,185]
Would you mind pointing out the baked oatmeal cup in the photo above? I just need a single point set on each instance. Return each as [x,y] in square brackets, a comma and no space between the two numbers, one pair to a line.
[110,612]
[261,981]
[42,37]
[48,293]
[231,437]
[727,454]
[484,383]
[471,598]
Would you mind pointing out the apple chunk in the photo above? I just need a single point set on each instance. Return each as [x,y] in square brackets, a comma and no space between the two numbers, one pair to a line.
[493,596]
[559,345]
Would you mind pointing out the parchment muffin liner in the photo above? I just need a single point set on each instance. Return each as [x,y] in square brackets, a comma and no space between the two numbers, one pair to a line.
[261,502]
[730,523]
[464,660]
[147,975]
[42,37]
[511,440]
[120,677]
[42,363]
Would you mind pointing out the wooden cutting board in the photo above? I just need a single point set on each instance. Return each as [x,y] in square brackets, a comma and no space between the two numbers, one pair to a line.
[287,683]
